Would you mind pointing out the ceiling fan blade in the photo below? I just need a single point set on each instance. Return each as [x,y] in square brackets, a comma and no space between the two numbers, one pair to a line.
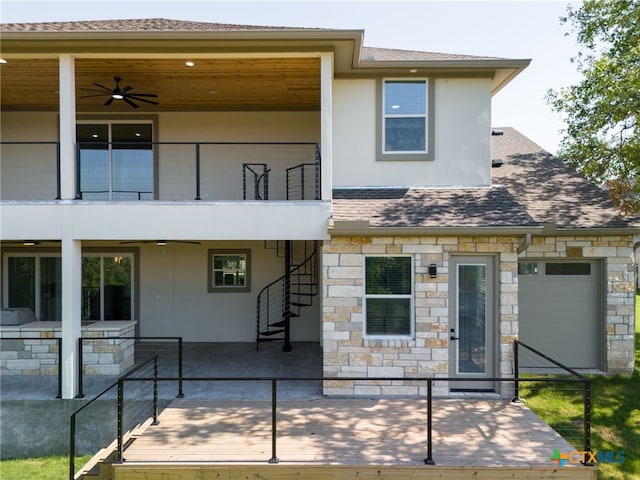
[126,99]
[126,89]
[97,95]
[109,102]
[135,97]
[92,90]
[103,87]
[143,95]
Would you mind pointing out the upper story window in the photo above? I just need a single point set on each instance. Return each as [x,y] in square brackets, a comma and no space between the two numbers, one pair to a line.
[405,126]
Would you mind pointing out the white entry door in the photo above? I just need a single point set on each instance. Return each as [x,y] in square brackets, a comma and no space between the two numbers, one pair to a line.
[471,324]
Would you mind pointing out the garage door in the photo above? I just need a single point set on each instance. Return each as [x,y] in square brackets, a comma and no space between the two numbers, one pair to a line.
[559,310]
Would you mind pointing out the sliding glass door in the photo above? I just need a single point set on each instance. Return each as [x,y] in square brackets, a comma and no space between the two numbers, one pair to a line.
[116,161]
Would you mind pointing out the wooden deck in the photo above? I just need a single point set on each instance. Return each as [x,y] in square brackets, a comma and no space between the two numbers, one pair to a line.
[347,438]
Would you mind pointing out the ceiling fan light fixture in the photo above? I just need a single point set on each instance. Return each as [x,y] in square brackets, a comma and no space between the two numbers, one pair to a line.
[29,243]
[117,96]
[161,243]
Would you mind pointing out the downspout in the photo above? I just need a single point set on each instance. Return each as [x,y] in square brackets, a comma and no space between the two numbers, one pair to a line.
[525,243]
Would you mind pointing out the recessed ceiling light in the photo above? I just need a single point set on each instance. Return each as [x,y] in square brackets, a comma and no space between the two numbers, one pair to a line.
[95,135]
[2,60]
[138,134]
[212,92]
[395,107]
[189,63]
[413,70]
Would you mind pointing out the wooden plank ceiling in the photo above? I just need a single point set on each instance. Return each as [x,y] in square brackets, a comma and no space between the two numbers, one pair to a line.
[210,84]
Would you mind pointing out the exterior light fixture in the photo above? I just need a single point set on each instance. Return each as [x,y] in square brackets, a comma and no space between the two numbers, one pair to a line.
[189,63]
[433,270]
[29,243]
[161,243]
[2,60]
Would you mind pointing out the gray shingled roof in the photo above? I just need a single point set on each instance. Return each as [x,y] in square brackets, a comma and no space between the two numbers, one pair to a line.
[394,55]
[551,191]
[168,25]
[135,25]
[430,207]
[531,188]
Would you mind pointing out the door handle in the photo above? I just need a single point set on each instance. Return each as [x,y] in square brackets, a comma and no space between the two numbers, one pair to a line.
[453,337]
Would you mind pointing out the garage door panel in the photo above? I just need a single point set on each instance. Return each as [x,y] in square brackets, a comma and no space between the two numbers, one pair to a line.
[559,315]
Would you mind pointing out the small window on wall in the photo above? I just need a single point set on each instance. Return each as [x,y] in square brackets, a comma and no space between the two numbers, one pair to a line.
[573,268]
[528,268]
[388,297]
[229,271]
[405,120]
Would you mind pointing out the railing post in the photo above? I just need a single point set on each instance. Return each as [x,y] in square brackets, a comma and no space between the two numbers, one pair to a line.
[155,391]
[58,178]
[78,172]
[80,393]
[120,420]
[318,176]
[516,374]
[287,296]
[180,392]
[59,342]
[429,459]
[72,447]
[587,418]
[274,397]
[197,171]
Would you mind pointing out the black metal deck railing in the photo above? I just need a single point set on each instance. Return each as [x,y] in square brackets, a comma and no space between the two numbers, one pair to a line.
[168,171]
[20,348]
[572,378]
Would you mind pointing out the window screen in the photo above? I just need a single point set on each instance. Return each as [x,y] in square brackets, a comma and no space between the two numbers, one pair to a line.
[388,296]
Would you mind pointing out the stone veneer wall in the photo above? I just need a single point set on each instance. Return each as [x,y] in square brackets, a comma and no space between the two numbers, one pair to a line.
[617,253]
[32,349]
[346,353]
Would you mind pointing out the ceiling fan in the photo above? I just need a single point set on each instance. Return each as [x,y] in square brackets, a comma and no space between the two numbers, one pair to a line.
[120,93]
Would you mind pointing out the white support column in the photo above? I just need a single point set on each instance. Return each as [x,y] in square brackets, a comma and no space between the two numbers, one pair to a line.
[326,123]
[71,307]
[67,96]
[71,248]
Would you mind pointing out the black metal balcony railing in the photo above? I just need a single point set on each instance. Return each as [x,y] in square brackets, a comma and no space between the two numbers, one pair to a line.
[165,171]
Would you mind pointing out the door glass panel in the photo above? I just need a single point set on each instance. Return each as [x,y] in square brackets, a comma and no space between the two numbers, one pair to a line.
[93,142]
[90,288]
[132,157]
[51,289]
[22,282]
[117,288]
[472,319]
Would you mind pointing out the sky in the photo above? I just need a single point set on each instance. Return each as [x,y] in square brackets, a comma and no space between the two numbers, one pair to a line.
[508,29]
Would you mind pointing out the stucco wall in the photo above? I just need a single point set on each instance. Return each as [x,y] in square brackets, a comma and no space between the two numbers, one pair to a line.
[174,300]
[462,110]
[348,354]
[619,298]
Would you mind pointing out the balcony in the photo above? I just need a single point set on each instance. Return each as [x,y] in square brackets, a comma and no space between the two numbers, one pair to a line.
[164,171]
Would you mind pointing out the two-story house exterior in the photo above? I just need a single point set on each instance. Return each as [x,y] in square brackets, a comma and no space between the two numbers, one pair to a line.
[229,183]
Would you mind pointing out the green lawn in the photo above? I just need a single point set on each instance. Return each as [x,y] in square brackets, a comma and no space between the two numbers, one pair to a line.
[41,468]
[615,415]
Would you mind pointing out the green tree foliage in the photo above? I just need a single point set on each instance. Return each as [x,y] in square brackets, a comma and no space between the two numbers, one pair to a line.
[602,139]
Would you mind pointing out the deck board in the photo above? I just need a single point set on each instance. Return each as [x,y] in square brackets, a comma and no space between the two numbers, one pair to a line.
[329,431]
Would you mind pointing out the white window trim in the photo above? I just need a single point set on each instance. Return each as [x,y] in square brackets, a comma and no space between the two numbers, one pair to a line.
[410,296]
